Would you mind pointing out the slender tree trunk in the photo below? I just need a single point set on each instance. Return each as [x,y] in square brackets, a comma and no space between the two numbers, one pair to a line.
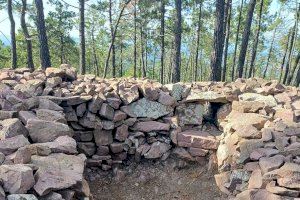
[44,49]
[30,64]
[113,59]
[270,53]
[178,31]
[94,51]
[82,67]
[236,41]
[61,49]
[146,50]
[142,53]
[284,56]
[198,42]
[217,54]
[297,79]
[255,45]
[113,39]
[228,21]
[135,40]
[12,35]
[121,59]
[293,69]
[153,67]
[245,39]
[289,54]
[162,39]
[201,67]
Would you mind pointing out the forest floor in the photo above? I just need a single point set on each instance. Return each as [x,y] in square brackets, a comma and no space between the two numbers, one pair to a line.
[156,181]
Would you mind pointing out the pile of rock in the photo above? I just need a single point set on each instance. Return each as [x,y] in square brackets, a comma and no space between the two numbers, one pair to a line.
[54,123]
[259,153]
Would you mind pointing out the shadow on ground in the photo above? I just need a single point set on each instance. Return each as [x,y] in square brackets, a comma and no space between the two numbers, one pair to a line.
[155,181]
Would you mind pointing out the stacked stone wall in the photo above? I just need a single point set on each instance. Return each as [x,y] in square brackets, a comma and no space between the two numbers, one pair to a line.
[54,124]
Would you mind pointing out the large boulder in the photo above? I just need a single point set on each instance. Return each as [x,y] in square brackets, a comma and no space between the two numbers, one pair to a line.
[62,144]
[147,108]
[208,96]
[267,100]
[51,115]
[16,179]
[10,145]
[190,114]
[57,172]
[12,127]
[246,119]
[46,131]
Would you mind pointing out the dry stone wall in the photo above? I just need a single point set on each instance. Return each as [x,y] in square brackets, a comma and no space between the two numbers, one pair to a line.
[54,124]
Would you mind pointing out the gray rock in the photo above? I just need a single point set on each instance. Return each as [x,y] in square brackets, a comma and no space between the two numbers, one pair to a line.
[48,104]
[63,170]
[52,196]
[157,150]
[7,114]
[147,108]
[12,127]
[103,137]
[10,145]
[190,114]
[267,100]
[51,115]
[209,96]
[17,179]
[24,116]
[21,197]
[45,131]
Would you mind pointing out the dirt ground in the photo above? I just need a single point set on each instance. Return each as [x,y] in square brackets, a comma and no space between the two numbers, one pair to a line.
[156,181]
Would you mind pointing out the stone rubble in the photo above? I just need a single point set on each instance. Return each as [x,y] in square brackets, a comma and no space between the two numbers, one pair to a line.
[54,124]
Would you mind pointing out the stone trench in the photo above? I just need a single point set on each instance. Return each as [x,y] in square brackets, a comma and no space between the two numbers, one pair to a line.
[56,125]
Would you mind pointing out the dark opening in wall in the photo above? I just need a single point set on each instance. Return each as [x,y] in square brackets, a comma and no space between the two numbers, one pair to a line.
[211,110]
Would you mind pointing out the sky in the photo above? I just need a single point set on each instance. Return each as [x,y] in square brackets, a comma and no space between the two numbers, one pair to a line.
[4,22]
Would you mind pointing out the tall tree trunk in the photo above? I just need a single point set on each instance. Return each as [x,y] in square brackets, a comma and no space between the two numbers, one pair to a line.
[121,57]
[62,51]
[12,35]
[284,56]
[198,41]
[289,55]
[30,64]
[153,67]
[178,31]
[43,40]
[293,69]
[217,54]
[113,55]
[237,40]
[245,39]
[142,53]
[255,45]
[82,67]
[135,40]
[94,51]
[162,39]
[228,21]
[113,39]
[270,53]
[297,79]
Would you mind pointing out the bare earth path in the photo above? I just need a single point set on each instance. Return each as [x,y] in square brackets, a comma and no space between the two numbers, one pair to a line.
[156,181]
